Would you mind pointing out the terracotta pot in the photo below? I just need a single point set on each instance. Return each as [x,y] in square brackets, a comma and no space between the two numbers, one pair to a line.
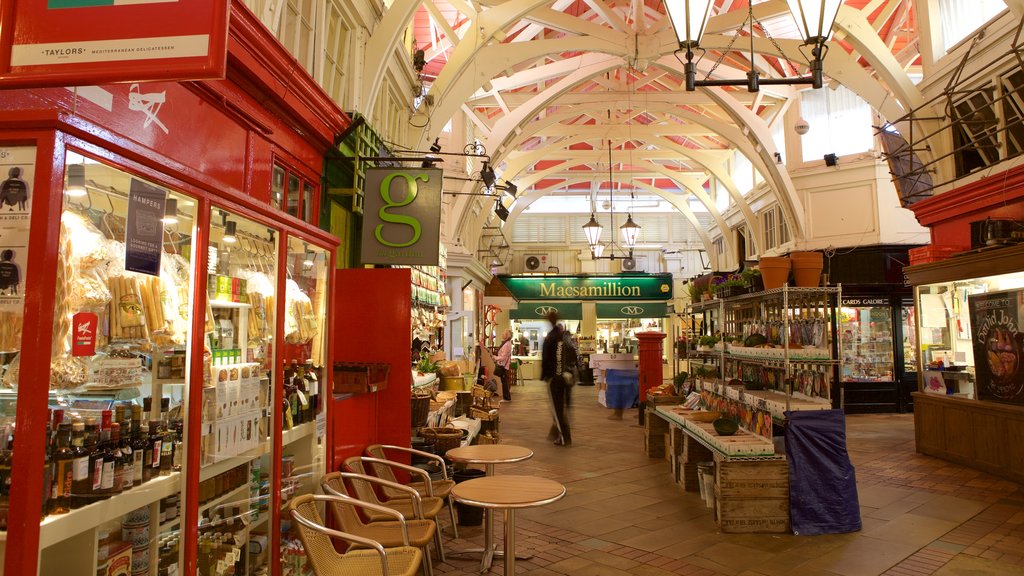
[774,271]
[807,268]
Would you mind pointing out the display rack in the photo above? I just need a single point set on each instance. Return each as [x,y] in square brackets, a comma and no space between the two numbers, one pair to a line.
[793,318]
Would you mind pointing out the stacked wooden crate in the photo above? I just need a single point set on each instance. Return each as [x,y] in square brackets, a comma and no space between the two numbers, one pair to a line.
[655,428]
[752,496]
[692,453]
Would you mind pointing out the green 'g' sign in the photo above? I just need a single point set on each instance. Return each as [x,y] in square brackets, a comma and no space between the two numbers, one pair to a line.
[401,216]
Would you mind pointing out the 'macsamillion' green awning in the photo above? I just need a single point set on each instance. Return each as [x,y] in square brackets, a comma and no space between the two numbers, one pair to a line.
[534,310]
[610,310]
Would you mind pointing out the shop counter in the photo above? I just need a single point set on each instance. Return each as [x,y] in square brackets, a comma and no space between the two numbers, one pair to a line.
[529,367]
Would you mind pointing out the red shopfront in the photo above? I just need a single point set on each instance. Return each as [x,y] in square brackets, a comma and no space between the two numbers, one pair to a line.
[220,352]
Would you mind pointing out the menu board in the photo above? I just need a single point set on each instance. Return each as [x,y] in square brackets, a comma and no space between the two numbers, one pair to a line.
[997,319]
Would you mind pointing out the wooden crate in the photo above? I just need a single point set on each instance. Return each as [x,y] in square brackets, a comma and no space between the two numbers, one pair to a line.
[677,440]
[668,446]
[694,451]
[654,446]
[769,479]
[753,515]
[688,477]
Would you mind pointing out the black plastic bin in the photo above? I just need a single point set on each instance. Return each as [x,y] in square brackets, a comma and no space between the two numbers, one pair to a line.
[468,515]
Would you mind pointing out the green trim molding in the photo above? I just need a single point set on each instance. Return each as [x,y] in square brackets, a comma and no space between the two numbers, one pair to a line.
[533,310]
[617,310]
[590,288]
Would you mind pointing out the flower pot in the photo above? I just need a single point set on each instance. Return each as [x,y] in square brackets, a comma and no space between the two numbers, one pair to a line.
[774,271]
[807,268]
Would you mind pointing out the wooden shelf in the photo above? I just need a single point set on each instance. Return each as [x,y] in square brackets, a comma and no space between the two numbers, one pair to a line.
[230,462]
[297,433]
[59,527]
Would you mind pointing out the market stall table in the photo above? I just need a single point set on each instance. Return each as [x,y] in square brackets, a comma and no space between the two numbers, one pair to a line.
[488,455]
[507,492]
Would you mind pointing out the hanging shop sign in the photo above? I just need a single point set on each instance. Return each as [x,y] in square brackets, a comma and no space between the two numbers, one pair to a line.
[402,216]
[997,330]
[87,42]
[540,310]
[144,233]
[631,310]
[646,287]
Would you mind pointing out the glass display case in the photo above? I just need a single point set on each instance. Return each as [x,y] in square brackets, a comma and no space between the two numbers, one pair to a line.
[868,353]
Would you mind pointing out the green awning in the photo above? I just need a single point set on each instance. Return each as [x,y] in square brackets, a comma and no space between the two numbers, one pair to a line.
[608,310]
[534,310]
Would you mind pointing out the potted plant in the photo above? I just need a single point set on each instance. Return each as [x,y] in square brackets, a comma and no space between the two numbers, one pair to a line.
[707,343]
[730,285]
[752,279]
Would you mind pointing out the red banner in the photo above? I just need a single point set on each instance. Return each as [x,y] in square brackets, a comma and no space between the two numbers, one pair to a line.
[85,42]
[83,335]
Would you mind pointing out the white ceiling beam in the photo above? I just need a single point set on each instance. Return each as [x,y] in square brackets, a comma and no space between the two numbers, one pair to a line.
[608,15]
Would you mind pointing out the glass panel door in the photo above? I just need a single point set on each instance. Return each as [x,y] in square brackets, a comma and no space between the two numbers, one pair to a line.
[303,460]
[118,380]
[238,409]
[867,344]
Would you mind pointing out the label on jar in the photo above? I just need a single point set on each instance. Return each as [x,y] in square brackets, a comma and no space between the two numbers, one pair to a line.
[137,460]
[80,468]
[97,474]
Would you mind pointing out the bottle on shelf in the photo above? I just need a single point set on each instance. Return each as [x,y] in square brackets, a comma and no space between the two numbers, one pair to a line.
[79,467]
[122,459]
[154,448]
[64,463]
[6,456]
[47,473]
[92,447]
[138,445]
[167,451]
[110,457]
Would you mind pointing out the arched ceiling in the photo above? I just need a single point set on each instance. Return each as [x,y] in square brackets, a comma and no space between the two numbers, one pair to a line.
[551,85]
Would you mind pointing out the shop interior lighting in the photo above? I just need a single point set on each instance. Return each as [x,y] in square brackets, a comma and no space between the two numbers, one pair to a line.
[170,212]
[630,230]
[814,19]
[76,181]
[229,228]
[592,229]
[500,210]
[597,250]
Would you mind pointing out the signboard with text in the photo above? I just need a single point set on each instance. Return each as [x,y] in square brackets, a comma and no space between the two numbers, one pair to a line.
[540,310]
[87,42]
[639,287]
[144,234]
[631,310]
[402,216]
[997,334]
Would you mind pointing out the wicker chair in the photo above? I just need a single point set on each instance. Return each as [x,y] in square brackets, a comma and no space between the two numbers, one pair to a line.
[440,488]
[418,533]
[413,506]
[403,560]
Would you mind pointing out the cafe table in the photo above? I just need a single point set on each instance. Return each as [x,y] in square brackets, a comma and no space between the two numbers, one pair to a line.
[489,455]
[508,493]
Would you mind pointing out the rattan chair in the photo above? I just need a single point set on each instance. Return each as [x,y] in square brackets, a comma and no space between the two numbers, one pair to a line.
[413,506]
[440,488]
[402,560]
[419,533]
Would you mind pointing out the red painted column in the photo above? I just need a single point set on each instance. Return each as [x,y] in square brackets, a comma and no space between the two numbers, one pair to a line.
[650,361]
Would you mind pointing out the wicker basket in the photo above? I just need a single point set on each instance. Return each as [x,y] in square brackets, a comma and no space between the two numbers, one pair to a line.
[420,409]
[488,438]
[442,439]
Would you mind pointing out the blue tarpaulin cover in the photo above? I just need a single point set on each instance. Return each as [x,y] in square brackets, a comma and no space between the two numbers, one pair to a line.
[822,482]
[623,388]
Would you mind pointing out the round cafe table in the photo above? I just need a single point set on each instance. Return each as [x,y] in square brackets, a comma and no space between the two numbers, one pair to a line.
[488,455]
[508,492]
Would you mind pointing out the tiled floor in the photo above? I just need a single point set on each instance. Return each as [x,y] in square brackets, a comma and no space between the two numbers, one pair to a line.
[623,515]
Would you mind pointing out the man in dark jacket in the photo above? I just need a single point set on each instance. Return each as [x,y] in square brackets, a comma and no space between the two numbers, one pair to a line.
[558,369]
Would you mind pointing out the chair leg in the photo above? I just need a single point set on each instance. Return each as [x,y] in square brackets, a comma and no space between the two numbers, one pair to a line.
[451,512]
[437,544]
[428,566]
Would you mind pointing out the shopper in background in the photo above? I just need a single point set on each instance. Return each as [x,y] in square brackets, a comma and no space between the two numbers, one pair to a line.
[558,369]
[503,364]
[524,345]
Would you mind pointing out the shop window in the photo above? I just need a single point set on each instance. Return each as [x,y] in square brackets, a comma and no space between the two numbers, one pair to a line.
[975,130]
[960,18]
[294,194]
[336,50]
[297,31]
[840,123]
[776,230]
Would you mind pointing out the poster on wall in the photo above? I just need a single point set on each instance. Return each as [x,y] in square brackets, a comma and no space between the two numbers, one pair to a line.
[88,42]
[17,184]
[997,319]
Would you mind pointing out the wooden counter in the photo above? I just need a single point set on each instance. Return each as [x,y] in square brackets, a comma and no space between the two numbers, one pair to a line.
[988,436]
